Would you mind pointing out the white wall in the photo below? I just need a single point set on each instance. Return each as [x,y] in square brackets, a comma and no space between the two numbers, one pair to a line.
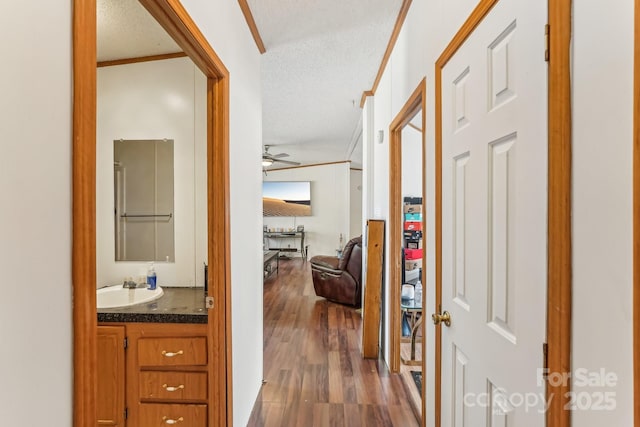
[223,24]
[368,173]
[355,203]
[154,100]
[602,203]
[411,162]
[380,192]
[35,214]
[330,205]
[602,123]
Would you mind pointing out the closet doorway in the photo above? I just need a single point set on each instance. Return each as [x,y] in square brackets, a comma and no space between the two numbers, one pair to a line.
[407,244]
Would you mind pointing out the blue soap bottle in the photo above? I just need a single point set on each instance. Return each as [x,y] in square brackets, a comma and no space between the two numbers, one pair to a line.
[151,277]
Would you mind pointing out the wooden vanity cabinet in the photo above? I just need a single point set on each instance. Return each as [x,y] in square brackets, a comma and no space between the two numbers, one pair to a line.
[111,376]
[166,374]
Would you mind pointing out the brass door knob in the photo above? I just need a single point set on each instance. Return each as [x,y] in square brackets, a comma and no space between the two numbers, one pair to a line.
[445,318]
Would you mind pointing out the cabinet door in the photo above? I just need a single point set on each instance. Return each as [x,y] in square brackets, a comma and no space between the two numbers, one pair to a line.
[111,376]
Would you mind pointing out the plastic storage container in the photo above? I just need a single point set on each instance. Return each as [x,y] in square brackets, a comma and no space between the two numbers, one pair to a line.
[417,294]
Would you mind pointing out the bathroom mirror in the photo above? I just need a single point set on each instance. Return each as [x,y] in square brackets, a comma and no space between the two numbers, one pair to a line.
[143,200]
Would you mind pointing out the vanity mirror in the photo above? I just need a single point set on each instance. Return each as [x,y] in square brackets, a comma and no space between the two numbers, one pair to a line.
[143,199]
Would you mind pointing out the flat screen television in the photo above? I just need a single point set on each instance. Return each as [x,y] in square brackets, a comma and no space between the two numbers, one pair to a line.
[286,198]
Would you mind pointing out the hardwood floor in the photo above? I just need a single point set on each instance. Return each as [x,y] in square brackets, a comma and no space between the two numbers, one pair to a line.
[409,383]
[314,372]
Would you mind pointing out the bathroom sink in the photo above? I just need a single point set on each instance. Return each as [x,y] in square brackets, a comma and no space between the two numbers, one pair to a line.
[117,296]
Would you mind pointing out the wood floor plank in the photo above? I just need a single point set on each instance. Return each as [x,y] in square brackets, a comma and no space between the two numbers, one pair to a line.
[401,417]
[336,391]
[349,391]
[353,415]
[336,415]
[304,417]
[308,384]
[377,415]
[321,414]
[269,414]
[314,371]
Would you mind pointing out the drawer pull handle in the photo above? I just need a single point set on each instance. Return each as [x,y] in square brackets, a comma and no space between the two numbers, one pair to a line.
[168,420]
[166,353]
[171,388]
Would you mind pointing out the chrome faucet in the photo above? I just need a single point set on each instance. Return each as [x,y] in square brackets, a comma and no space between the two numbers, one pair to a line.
[129,284]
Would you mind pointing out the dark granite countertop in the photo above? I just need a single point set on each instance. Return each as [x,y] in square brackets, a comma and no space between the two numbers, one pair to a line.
[177,305]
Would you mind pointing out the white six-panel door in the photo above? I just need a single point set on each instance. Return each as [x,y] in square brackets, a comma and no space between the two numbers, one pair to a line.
[494,235]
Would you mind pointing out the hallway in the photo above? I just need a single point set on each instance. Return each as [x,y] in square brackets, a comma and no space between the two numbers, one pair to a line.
[313,369]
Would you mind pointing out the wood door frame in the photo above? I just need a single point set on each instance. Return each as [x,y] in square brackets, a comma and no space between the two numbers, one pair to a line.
[559,281]
[636,214]
[172,16]
[414,105]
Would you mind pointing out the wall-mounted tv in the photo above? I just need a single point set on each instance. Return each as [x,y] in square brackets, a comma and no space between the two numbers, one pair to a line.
[286,198]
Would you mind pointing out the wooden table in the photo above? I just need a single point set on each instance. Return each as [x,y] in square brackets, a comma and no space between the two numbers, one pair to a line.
[414,316]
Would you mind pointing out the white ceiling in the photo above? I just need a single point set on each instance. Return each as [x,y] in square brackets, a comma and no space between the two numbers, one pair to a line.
[321,56]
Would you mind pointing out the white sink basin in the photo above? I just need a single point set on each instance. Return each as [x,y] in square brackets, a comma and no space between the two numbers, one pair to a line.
[117,296]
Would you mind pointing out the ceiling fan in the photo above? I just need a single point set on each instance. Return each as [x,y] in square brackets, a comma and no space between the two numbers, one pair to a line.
[268,158]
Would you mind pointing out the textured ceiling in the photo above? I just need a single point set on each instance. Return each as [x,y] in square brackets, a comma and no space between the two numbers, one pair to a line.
[127,30]
[321,56]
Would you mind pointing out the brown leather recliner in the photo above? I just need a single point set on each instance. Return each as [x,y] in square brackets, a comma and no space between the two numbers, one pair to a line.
[339,279]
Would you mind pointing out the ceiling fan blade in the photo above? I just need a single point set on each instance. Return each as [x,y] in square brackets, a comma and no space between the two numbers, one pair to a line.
[289,162]
[279,156]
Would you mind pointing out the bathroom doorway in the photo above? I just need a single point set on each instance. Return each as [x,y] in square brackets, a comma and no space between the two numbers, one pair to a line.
[179,25]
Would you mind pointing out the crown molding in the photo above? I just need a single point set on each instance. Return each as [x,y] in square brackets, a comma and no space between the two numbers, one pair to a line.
[404,10]
[248,16]
[141,59]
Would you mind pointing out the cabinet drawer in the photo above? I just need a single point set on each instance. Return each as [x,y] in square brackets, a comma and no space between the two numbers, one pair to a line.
[190,386]
[172,351]
[157,415]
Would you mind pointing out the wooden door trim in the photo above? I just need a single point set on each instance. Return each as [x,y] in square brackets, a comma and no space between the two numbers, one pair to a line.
[415,103]
[636,215]
[559,262]
[85,321]
[176,21]
[173,17]
[559,200]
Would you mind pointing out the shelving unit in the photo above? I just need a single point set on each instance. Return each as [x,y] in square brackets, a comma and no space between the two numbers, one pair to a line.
[412,248]
[275,241]
[412,238]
